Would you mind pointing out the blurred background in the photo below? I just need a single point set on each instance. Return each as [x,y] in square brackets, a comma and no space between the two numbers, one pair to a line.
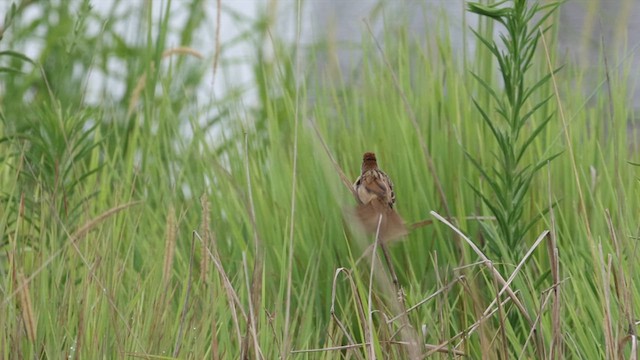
[588,31]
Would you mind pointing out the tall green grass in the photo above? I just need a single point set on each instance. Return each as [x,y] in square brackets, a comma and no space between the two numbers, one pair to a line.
[128,230]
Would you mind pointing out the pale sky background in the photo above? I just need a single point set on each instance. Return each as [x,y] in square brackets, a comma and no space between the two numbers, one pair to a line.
[585,25]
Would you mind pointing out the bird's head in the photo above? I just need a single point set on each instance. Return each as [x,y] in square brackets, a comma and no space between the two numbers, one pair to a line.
[369,161]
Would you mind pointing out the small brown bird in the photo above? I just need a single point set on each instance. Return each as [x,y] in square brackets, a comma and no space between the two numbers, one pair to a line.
[375,196]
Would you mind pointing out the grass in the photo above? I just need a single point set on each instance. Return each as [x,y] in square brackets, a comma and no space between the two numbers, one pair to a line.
[128,230]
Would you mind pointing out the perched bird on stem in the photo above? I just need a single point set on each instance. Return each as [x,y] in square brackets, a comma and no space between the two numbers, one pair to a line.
[375,196]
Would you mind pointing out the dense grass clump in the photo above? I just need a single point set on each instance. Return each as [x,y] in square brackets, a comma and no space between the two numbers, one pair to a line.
[150,223]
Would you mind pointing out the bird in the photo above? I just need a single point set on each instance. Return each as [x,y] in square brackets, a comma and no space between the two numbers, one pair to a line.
[375,196]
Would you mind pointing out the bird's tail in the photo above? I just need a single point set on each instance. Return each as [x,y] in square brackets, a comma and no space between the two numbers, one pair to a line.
[392,226]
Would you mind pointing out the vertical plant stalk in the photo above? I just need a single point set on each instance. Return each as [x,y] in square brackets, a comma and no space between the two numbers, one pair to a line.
[216,56]
[555,351]
[370,336]
[510,180]
[208,238]
[286,342]
[574,166]
[169,247]
[255,291]
[185,305]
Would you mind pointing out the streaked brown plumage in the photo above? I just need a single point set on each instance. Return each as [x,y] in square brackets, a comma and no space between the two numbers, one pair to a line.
[375,196]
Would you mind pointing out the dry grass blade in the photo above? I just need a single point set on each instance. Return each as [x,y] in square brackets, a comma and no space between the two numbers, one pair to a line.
[495,273]
[26,309]
[424,223]
[427,222]
[182,50]
[522,262]
[137,91]
[438,349]
[331,348]
[466,332]
[359,306]
[634,348]
[439,291]
[506,287]
[434,348]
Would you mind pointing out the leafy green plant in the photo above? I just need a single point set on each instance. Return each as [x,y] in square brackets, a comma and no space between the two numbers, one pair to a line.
[510,181]
[53,153]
